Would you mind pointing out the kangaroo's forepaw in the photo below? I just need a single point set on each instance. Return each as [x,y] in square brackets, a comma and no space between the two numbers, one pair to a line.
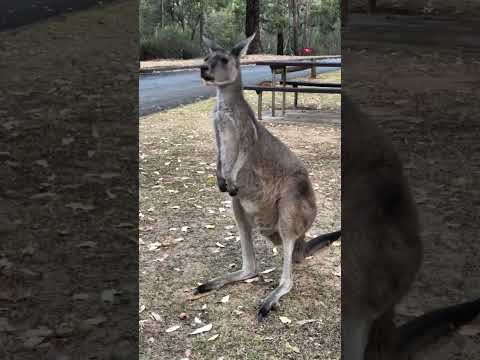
[233,191]
[232,188]
[222,184]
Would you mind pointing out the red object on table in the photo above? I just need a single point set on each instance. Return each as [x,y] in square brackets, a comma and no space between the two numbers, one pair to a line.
[307,50]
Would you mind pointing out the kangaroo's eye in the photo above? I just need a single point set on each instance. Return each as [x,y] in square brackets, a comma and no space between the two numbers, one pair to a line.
[224,60]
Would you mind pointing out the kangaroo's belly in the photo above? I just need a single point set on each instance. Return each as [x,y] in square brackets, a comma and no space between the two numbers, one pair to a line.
[264,214]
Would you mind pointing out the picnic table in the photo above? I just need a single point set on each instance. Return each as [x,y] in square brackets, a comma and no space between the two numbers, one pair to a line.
[282,67]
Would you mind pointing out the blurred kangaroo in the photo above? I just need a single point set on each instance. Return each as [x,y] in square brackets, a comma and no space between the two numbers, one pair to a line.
[381,249]
[269,185]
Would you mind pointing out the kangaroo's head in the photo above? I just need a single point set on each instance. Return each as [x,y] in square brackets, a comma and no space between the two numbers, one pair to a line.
[222,67]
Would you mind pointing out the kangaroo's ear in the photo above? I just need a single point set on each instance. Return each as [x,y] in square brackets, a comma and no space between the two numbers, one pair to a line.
[242,47]
[210,44]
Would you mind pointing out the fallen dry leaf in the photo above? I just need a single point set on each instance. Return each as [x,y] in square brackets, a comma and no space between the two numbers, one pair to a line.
[292,348]
[308,321]
[172,328]
[155,316]
[203,329]
[267,271]
[95,321]
[470,329]
[225,299]
[219,245]
[154,246]
[285,320]
[80,206]
[86,244]
[210,226]
[248,281]
[211,338]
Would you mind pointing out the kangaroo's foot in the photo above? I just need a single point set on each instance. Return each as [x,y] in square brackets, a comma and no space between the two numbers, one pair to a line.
[223,280]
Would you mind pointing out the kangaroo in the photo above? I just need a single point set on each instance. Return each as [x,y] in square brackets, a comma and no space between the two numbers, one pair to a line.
[381,249]
[268,183]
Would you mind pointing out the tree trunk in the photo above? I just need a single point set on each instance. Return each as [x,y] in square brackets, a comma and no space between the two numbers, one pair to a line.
[293,6]
[252,25]
[162,9]
[194,28]
[344,10]
[280,42]
[203,22]
[306,29]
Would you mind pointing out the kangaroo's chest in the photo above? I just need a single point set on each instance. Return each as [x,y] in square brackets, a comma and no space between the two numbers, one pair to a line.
[226,130]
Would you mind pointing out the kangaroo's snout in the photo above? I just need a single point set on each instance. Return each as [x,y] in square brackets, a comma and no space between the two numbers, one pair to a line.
[204,73]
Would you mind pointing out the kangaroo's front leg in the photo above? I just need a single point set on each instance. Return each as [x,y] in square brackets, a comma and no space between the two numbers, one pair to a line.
[222,184]
[249,267]
[228,152]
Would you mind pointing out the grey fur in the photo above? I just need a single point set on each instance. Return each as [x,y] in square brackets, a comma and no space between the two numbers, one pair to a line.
[381,246]
[270,186]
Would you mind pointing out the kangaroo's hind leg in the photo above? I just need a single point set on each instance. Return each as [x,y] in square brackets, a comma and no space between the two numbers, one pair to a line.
[295,217]
[249,267]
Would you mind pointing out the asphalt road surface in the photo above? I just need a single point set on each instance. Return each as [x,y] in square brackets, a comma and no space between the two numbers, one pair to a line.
[164,90]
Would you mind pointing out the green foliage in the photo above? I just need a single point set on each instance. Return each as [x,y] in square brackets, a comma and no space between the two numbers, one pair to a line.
[168,43]
[224,29]
[327,43]
[176,32]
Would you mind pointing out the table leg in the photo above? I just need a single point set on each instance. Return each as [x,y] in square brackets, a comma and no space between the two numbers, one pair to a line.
[260,105]
[313,74]
[284,79]
[273,92]
[295,101]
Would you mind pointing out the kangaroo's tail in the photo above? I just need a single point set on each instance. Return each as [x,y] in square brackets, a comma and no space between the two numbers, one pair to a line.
[320,242]
[425,329]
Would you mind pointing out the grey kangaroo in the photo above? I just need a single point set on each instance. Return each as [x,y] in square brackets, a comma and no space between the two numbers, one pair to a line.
[381,249]
[269,185]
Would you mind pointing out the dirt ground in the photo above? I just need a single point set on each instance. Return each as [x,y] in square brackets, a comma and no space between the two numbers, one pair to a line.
[426,99]
[68,190]
[188,235]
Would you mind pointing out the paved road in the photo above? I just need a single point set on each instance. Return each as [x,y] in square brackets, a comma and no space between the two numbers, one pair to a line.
[22,12]
[164,90]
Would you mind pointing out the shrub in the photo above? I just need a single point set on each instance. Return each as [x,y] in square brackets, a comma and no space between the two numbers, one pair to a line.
[168,43]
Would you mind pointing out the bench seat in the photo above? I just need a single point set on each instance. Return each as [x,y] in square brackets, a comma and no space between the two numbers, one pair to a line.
[311,90]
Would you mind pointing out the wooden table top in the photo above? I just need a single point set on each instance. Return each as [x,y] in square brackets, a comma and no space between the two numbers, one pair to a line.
[305,63]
